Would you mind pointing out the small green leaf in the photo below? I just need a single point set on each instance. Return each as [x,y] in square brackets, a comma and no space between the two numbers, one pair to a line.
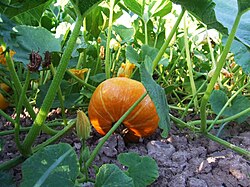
[134,6]
[218,99]
[6,180]
[125,33]
[54,165]
[158,96]
[110,175]
[132,55]
[160,8]
[143,169]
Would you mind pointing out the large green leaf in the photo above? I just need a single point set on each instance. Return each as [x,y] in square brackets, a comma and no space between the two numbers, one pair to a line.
[143,169]
[110,175]
[6,26]
[30,39]
[158,96]
[18,7]
[244,5]
[218,99]
[226,12]
[204,11]
[33,16]
[54,165]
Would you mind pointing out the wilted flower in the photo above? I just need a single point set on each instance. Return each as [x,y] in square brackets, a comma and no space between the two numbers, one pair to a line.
[126,69]
[102,52]
[2,57]
[79,72]
[83,127]
[47,59]
[35,61]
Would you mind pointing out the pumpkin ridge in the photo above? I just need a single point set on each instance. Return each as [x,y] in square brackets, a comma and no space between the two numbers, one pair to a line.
[104,107]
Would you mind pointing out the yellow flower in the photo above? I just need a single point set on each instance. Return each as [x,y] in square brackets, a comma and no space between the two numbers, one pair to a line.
[2,58]
[79,72]
[126,69]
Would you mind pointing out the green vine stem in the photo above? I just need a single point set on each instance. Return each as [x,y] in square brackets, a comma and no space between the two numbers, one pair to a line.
[191,126]
[219,66]
[25,129]
[228,119]
[169,38]
[229,145]
[81,81]
[192,99]
[107,53]
[11,163]
[60,96]
[70,125]
[110,132]
[189,64]
[41,116]
[226,104]
[18,112]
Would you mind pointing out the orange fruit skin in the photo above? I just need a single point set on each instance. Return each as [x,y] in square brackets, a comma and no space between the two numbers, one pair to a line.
[3,102]
[113,97]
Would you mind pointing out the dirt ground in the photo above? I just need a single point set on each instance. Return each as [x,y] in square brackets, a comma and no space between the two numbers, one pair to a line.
[184,159]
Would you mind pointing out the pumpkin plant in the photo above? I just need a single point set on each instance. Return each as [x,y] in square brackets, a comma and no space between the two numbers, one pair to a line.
[134,100]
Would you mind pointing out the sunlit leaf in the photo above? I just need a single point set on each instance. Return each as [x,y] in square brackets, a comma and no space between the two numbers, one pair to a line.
[54,165]
[110,175]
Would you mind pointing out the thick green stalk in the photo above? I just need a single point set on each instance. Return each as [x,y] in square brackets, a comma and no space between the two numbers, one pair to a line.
[189,64]
[219,66]
[34,131]
[110,132]
[107,53]
[18,112]
[169,38]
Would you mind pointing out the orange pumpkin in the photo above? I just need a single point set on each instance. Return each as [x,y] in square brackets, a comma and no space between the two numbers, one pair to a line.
[112,98]
[3,102]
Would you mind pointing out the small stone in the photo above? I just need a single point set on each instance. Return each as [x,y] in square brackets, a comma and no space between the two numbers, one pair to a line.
[194,182]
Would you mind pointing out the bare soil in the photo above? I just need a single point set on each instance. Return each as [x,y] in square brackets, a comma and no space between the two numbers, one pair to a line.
[184,159]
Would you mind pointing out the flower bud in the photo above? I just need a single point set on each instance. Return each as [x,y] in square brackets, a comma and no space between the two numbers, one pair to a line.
[83,127]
